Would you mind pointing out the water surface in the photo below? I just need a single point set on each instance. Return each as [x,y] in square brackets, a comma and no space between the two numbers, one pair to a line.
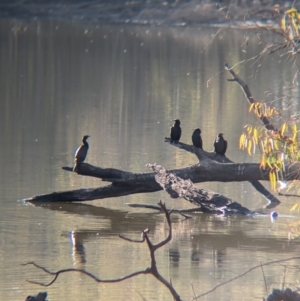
[124,86]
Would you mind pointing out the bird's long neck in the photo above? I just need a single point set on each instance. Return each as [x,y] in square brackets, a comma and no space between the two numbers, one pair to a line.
[85,143]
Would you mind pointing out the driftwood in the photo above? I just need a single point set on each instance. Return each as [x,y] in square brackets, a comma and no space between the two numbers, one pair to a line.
[125,183]
[208,201]
[211,167]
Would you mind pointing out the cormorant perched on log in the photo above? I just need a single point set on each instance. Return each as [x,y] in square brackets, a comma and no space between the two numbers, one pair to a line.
[196,138]
[220,145]
[175,131]
[81,152]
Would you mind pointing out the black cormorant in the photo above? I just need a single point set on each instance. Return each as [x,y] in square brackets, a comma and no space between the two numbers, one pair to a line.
[220,145]
[81,152]
[175,131]
[196,138]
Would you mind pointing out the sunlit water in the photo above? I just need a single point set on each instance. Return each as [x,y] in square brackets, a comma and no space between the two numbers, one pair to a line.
[124,86]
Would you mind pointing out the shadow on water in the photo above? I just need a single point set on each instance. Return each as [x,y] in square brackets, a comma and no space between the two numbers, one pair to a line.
[232,232]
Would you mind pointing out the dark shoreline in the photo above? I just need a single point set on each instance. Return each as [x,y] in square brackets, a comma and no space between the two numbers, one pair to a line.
[175,13]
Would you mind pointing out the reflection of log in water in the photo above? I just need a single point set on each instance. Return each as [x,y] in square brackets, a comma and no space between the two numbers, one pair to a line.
[115,222]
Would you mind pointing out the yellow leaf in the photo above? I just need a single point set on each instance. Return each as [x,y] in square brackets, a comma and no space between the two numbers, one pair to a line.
[258,109]
[255,135]
[263,162]
[283,128]
[251,107]
[272,177]
[282,24]
[291,11]
[269,163]
[294,207]
[249,147]
[242,141]
[276,144]
[295,128]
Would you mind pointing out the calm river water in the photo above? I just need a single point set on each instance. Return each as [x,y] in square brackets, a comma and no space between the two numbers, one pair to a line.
[124,86]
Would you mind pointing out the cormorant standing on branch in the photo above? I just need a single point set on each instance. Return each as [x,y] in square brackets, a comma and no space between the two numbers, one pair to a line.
[220,145]
[175,131]
[81,152]
[196,138]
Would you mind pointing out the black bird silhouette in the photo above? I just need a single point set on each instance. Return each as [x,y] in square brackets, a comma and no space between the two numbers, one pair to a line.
[220,145]
[81,152]
[175,131]
[196,138]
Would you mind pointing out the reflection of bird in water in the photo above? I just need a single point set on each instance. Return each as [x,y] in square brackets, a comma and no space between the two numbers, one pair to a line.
[78,248]
[220,145]
[81,153]
[175,131]
[196,138]
[174,256]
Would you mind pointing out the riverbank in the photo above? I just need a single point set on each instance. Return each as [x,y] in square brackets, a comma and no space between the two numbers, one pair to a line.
[171,13]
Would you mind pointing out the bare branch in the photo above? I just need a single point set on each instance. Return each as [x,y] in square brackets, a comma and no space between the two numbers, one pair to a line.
[262,270]
[243,274]
[169,237]
[207,163]
[152,270]
[56,274]
[249,96]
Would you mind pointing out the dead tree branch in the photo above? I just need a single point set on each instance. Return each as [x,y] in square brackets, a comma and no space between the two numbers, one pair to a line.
[207,170]
[202,155]
[249,96]
[150,270]
[207,200]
